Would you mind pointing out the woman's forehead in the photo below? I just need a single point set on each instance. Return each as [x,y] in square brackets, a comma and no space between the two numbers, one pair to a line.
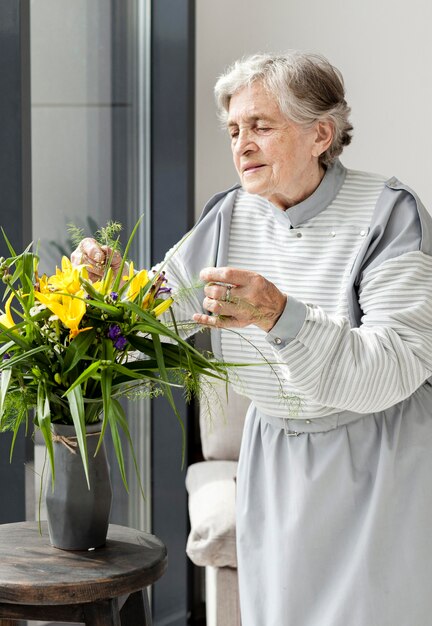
[252,103]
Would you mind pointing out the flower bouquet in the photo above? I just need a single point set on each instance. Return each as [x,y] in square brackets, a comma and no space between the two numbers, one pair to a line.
[70,349]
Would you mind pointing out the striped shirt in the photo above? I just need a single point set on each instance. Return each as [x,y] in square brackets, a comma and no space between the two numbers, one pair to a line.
[328,366]
[310,262]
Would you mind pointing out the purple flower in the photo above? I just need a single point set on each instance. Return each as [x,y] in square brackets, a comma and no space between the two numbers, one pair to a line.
[164,290]
[120,343]
[114,295]
[6,356]
[114,331]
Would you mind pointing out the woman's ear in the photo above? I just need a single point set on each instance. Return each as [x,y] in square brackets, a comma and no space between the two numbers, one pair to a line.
[323,138]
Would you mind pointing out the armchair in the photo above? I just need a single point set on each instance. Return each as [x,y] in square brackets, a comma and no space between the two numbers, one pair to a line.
[211,488]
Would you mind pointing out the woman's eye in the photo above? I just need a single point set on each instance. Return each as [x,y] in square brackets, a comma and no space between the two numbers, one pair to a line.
[263,129]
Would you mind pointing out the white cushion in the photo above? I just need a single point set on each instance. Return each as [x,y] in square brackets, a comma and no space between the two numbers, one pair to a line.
[212,539]
[221,422]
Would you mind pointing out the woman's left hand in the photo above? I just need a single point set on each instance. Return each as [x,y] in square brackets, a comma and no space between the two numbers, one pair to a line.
[238,298]
[96,257]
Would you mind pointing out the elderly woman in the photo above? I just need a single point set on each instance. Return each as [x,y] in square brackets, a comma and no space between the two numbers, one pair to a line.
[328,274]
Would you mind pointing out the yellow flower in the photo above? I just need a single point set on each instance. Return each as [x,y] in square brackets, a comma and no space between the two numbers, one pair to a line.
[162,307]
[68,309]
[131,272]
[43,284]
[6,319]
[76,331]
[67,279]
[136,282]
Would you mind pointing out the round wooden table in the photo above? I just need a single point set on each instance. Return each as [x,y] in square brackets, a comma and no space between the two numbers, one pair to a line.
[102,587]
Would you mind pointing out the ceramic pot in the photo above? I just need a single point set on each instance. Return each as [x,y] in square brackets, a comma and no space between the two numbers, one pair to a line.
[78,517]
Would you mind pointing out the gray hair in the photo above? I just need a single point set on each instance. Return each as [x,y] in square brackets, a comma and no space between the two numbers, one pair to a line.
[306,86]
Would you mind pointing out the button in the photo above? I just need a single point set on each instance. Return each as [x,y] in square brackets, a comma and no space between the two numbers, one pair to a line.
[277,341]
[298,235]
[332,234]
[362,233]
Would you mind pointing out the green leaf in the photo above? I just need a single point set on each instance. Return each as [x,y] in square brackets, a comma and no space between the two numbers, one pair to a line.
[91,290]
[174,354]
[130,372]
[15,337]
[76,405]
[77,349]
[126,252]
[161,329]
[6,347]
[166,386]
[108,308]
[22,415]
[21,357]
[8,243]
[137,374]
[27,279]
[89,372]
[113,417]
[4,385]
[120,417]
[43,416]
[106,384]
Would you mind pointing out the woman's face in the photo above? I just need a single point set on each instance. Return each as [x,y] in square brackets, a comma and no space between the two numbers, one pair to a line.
[274,157]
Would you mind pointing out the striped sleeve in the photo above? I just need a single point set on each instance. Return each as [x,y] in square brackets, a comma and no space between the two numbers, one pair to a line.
[382,362]
[186,291]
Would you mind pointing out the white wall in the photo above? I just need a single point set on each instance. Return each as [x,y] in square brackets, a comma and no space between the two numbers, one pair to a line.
[382,47]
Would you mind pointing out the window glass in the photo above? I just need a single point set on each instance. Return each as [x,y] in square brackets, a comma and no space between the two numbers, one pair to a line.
[89,149]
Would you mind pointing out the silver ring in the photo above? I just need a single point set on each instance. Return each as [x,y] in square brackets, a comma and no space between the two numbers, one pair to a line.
[228,294]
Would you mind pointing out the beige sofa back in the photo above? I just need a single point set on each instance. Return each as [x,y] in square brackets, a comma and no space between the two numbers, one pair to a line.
[222,415]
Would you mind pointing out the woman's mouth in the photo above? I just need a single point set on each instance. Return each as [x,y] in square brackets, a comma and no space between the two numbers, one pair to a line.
[251,169]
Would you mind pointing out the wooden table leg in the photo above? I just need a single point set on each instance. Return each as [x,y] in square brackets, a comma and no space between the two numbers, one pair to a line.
[136,610]
[102,613]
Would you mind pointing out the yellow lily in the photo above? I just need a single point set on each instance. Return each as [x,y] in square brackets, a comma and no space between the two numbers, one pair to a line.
[67,279]
[43,284]
[74,332]
[131,273]
[162,307]
[136,282]
[6,319]
[68,309]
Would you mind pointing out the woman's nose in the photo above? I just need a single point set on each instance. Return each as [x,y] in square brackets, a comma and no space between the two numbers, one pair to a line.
[244,142]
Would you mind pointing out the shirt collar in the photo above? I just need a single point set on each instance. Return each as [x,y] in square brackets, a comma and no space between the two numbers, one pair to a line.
[323,195]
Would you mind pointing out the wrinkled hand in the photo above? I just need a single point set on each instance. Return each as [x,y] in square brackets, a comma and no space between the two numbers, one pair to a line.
[95,257]
[238,298]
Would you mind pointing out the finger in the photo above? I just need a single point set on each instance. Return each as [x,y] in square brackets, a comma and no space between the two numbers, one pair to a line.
[114,255]
[76,257]
[217,321]
[222,307]
[216,291]
[93,277]
[215,306]
[228,275]
[207,320]
[92,250]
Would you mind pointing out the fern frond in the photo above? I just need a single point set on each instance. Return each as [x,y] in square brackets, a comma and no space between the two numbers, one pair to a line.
[76,234]
[109,235]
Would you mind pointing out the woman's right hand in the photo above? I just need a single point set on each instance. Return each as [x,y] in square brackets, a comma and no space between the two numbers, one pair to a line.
[95,257]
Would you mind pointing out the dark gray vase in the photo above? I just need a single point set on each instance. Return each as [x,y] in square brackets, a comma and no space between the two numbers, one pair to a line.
[78,517]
